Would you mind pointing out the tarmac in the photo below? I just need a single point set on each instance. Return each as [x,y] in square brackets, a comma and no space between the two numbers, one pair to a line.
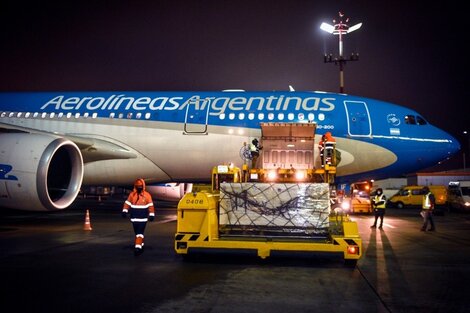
[49,263]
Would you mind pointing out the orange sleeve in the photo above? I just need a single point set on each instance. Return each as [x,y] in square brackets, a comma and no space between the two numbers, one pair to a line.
[149,199]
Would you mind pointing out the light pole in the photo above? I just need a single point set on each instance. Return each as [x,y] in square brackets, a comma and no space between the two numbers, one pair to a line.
[340,28]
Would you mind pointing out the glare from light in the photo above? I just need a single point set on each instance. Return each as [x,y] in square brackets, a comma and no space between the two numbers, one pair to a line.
[299,175]
[272,175]
[355,27]
[327,27]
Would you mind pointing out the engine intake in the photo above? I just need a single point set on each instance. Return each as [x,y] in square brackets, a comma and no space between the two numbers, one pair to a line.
[45,172]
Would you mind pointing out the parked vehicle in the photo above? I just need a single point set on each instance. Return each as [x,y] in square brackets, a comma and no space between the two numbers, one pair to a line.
[459,195]
[412,196]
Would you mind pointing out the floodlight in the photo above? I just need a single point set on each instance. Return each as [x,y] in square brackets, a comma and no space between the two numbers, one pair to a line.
[327,27]
[355,27]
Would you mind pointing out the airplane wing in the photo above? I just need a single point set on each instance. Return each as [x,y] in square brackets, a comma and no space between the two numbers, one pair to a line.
[92,149]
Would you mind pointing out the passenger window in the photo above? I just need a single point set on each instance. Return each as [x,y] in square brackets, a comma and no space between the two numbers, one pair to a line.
[410,119]
[404,192]
[420,120]
[416,192]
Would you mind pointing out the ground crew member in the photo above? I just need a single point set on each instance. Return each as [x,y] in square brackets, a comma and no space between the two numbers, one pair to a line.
[379,202]
[330,146]
[139,205]
[254,150]
[429,201]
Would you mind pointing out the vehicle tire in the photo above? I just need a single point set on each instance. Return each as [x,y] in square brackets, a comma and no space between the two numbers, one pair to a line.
[400,205]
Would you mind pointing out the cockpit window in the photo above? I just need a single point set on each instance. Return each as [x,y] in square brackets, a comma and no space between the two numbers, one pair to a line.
[420,120]
[415,120]
[410,119]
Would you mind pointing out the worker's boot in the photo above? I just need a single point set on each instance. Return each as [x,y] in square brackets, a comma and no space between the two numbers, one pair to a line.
[380,227]
[373,226]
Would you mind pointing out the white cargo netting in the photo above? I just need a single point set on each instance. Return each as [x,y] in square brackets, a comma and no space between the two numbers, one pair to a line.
[274,209]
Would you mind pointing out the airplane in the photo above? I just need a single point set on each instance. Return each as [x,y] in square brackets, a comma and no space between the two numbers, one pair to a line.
[52,143]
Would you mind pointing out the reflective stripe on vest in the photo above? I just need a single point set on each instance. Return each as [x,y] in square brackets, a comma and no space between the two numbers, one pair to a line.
[426,202]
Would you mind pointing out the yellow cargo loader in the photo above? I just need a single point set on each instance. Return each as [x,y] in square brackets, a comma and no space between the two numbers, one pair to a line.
[281,205]
[199,228]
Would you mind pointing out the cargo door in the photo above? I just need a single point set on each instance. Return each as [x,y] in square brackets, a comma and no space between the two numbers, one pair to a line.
[358,119]
[287,145]
[197,116]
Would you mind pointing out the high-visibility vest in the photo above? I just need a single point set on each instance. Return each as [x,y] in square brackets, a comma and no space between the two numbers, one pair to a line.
[427,201]
[380,201]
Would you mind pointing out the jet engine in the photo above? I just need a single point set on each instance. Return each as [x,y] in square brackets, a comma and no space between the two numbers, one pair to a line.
[38,172]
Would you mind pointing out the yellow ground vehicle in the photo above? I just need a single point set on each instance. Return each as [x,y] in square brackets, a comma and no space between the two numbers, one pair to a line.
[268,209]
[360,198]
[413,196]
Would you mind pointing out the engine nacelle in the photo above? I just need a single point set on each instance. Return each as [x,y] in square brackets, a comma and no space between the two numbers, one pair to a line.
[38,172]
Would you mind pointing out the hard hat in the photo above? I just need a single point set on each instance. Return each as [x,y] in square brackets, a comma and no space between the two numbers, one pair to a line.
[139,182]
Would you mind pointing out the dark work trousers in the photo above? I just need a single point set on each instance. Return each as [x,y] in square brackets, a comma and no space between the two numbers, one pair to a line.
[139,229]
[427,217]
[379,213]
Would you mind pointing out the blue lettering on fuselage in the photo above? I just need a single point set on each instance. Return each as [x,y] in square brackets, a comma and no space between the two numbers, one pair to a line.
[4,170]
[218,105]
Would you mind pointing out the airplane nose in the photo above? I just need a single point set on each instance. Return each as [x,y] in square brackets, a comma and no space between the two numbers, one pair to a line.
[453,146]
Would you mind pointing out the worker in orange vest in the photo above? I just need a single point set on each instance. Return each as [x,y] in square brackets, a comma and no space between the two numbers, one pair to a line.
[139,205]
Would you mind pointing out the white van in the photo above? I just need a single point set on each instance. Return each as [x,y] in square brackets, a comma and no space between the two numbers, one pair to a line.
[459,195]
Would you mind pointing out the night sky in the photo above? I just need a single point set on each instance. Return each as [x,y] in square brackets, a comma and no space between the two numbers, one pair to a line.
[411,52]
